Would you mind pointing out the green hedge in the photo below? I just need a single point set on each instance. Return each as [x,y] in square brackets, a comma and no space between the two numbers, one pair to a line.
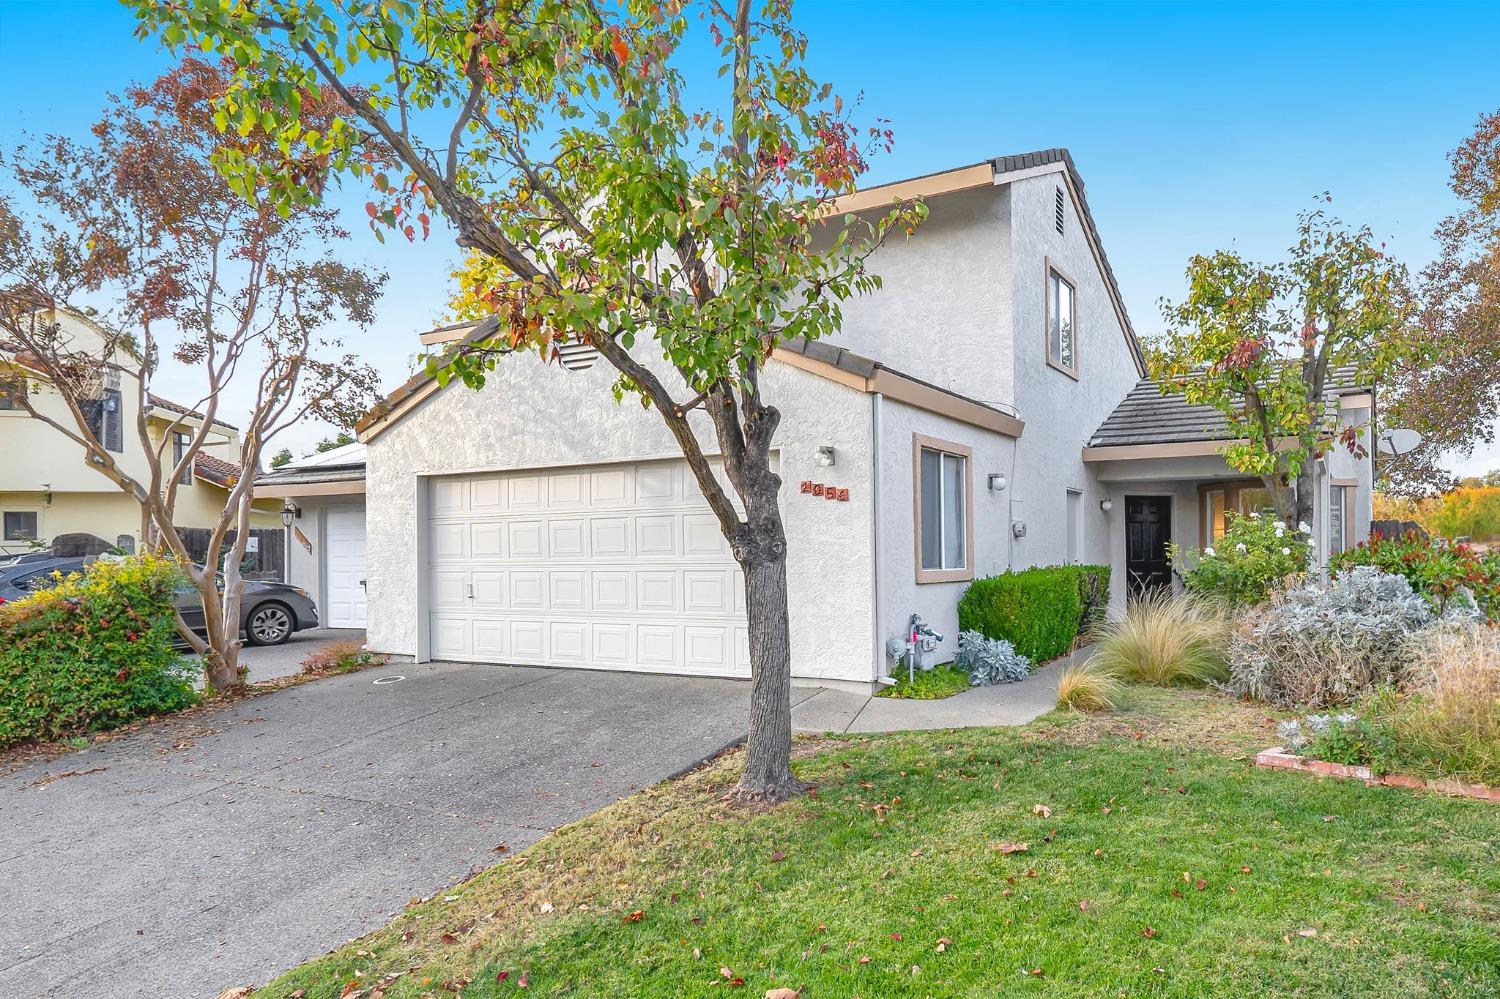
[91,653]
[1039,611]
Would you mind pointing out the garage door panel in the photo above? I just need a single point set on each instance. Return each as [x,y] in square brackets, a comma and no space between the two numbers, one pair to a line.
[569,642]
[656,591]
[619,566]
[609,537]
[449,588]
[656,536]
[569,589]
[706,591]
[449,541]
[565,539]
[610,487]
[528,589]
[524,538]
[528,641]
[487,540]
[611,589]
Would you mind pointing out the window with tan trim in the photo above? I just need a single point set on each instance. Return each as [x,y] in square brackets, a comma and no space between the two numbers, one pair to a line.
[1062,326]
[1341,515]
[943,510]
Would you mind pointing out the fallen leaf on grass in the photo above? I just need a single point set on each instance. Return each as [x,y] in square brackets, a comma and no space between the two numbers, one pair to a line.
[1307,933]
[634,917]
[943,944]
[1042,810]
[778,856]
[864,959]
[236,993]
[782,993]
[1200,884]
[1083,905]
[1012,847]
[1245,869]
[896,937]
[499,848]
[1148,932]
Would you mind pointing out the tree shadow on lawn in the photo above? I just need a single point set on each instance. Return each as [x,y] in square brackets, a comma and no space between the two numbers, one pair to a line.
[1080,855]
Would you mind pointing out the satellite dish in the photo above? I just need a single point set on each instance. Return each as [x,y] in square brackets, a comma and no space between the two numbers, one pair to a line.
[1398,441]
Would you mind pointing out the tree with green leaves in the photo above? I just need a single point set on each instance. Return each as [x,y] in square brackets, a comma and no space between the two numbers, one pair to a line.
[1258,342]
[678,225]
[281,458]
[329,443]
[1453,396]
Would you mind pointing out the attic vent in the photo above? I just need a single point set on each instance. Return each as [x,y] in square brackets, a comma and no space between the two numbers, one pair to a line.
[1060,215]
[577,356]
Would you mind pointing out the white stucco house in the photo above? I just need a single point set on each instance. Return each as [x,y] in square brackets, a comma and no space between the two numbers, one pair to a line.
[986,410]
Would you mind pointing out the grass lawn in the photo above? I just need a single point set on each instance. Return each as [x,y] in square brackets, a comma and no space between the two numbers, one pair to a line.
[928,684]
[1160,862]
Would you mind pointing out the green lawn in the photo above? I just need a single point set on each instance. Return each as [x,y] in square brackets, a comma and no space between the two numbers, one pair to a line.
[1168,865]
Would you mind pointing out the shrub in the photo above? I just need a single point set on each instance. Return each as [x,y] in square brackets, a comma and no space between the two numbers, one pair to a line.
[1163,639]
[1440,571]
[1088,686]
[1329,643]
[1346,738]
[927,684]
[989,661]
[1450,721]
[343,656]
[93,652]
[1256,555]
[1041,611]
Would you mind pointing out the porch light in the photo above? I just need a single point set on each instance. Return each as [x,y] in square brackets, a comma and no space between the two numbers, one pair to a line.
[1106,504]
[826,455]
[997,481]
[289,511]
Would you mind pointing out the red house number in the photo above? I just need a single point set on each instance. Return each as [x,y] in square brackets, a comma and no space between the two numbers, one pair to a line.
[826,491]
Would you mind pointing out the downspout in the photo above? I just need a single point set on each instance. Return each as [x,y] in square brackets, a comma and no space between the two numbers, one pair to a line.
[877,639]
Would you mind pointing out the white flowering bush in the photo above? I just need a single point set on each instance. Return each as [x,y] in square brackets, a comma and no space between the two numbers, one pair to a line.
[1330,643]
[989,661]
[1256,555]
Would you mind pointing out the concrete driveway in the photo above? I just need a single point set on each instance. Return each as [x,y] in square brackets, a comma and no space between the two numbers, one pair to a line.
[213,852]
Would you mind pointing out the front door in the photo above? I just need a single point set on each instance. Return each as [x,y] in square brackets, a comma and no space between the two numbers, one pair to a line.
[1148,529]
[345,554]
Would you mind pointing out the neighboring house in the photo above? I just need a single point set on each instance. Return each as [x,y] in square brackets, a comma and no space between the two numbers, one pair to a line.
[48,490]
[324,494]
[966,420]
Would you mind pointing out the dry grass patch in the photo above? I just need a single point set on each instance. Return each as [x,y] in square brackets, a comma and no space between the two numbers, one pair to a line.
[1183,718]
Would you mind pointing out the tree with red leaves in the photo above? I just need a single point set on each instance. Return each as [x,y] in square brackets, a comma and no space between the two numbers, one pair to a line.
[236,290]
[682,241]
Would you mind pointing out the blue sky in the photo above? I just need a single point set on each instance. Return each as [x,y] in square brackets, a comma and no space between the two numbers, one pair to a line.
[1195,127]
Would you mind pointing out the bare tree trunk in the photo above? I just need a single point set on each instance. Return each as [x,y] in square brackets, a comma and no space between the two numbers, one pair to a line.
[768,773]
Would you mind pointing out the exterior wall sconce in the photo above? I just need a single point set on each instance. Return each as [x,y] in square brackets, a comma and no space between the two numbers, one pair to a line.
[826,455]
[997,481]
[289,511]
[1106,504]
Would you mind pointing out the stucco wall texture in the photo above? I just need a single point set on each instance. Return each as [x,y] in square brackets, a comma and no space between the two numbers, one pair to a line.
[530,416]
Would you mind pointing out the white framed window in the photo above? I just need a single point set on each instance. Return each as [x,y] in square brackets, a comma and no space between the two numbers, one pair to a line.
[180,445]
[1340,518]
[944,522]
[1062,328]
[20,525]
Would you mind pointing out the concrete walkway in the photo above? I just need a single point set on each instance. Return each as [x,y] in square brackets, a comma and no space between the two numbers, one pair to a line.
[822,710]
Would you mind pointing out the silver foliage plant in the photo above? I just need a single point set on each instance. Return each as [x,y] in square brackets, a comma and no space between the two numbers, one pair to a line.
[1327,643]
[989,661]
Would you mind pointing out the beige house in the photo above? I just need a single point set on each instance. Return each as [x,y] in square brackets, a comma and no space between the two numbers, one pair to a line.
[47,489]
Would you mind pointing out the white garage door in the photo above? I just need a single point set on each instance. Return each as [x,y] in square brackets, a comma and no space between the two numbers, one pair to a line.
[607,567]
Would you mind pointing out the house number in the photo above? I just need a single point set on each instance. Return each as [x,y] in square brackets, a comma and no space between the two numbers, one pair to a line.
[826,491]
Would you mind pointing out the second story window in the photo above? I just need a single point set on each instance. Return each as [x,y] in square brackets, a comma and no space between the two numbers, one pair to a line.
[1062,336]
[104,420]
[179,445]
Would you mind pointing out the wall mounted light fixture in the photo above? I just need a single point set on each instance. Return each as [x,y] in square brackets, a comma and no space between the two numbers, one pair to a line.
[289,511]
[826,455]
[1106,504]
[997,481]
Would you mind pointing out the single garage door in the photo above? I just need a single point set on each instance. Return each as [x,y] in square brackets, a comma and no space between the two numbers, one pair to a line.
[607,567]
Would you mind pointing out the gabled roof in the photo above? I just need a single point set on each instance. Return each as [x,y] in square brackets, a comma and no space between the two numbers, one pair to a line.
[181,410]
[215,470]
[1146,416]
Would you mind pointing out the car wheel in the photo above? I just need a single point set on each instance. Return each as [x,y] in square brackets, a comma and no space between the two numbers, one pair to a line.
[268,624]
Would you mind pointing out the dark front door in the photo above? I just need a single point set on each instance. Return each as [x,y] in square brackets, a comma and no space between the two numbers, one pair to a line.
[1148,528]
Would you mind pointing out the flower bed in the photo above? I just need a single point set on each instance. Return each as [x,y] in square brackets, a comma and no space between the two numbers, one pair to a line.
[1278,758]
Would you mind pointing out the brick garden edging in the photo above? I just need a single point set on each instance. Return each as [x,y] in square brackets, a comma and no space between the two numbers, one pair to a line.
[1277,758]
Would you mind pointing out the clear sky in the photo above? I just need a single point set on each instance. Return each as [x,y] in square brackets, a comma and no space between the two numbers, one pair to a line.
[1195,126]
